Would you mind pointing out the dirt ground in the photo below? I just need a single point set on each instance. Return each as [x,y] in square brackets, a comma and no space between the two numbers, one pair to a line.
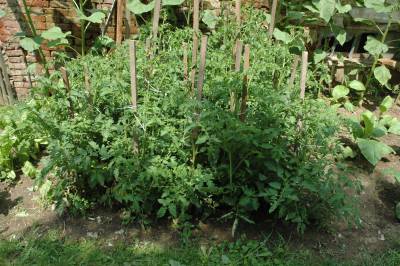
[21,212]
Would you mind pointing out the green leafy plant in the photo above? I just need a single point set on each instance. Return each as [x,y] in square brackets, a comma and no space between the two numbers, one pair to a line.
[163,161]
[369,128]
[20,142]
[95,17]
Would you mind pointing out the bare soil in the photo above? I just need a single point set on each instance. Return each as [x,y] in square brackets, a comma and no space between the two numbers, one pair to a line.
[21,212]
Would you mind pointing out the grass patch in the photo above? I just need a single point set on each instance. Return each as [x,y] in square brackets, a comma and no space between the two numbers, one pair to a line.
[52,249]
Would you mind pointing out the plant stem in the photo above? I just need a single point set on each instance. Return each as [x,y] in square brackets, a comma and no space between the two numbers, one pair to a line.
[230,169]
[83,37]
[377,58]
[34,35]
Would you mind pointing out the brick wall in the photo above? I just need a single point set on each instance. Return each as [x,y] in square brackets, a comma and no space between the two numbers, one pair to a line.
[45,14]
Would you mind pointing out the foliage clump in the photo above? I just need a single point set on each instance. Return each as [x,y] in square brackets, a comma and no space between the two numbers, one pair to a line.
[179,157]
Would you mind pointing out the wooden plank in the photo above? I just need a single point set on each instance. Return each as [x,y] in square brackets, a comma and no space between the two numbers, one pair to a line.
[132,53]
[273,15]
[237,12]
[185,61]
[120,19]
[12,96]
[202,68]
[156,18]
[245,89]
[294,70]
[303,80]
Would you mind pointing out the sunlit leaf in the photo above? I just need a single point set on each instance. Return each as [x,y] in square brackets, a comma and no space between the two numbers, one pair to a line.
[382,74]
[373,150]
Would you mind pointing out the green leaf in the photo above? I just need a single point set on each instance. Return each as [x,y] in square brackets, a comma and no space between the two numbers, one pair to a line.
[386,104]
[373,150]
[54,33]
[382,74]
[395,128]
[339,92]
[392,172]
[375,47]
[30,44]
[172,210]
[275,185]
[202,139]
[348,152]
[29,170]
[2,13]
[172,2]
[349,106]
[320,56]
[369,122]
[377,5]
[210,19]
[340,34]
[282,36]
[326,9]
[357,85]
[161,212]
[343,9]
[96,17]
[137,7]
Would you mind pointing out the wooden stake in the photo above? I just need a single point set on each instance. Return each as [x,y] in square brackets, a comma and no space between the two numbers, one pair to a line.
[185,61]
[3,93]
[203,53]
[127,21]
[273,15]
[194,60]
[87,82]
[303,80]
[196,7]
[120,18]
[12,96]
[237,56]
[132,53]
[156,18]
[294,70]
[64,75]
[237,12]
[245,92]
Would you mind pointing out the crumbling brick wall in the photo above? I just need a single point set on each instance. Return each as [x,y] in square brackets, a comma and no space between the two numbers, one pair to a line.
[45,14]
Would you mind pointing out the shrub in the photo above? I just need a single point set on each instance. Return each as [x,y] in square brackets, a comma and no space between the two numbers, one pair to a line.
[193,158]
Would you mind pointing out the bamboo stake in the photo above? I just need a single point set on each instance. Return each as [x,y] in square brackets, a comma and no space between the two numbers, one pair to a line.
[273,15]
[203,53]
[156,18]
[303,80]
[120,18]
[245,92]
[64,75]
[132,52]
[237,12]
[294,70]
[185,61]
